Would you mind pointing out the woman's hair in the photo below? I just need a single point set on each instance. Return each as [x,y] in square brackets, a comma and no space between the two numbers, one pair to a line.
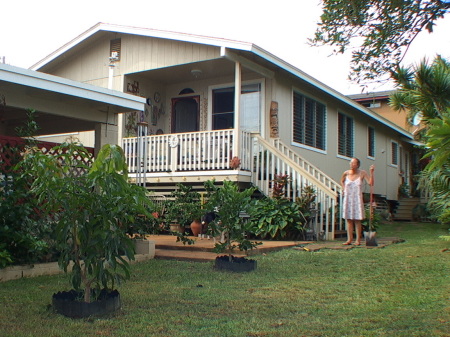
[357,161]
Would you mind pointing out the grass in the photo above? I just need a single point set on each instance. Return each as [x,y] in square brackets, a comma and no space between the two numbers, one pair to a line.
[400,290]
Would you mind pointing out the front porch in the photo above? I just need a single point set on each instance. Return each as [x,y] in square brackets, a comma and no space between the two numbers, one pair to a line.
[196,157]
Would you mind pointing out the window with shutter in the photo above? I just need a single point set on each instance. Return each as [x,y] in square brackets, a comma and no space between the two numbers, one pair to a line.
[345,135]
[371,142]
[394,153]
[309,121]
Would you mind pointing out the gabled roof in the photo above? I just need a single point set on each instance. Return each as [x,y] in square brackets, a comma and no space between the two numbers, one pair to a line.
[149,32]
[223,43]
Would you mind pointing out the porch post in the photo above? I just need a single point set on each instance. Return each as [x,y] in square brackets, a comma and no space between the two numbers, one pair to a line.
[104,134]
[237,108]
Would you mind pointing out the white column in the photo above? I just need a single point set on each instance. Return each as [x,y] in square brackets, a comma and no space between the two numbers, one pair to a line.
[237,108]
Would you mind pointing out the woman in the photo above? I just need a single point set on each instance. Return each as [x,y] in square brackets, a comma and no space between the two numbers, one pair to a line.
[352,183]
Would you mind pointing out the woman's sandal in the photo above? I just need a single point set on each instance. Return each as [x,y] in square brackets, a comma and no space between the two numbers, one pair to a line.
[357,244]
[347,243]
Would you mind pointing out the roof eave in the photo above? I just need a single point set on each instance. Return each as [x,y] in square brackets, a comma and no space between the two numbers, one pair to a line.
[330,91]
[64,86]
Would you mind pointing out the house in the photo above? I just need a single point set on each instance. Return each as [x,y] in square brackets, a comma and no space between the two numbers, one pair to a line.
[209,100]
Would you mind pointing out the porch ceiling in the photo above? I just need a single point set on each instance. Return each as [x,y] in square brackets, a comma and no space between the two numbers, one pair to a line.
[182,73]
[14,117]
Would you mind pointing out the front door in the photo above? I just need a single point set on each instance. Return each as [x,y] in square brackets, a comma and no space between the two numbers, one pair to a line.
[185,114]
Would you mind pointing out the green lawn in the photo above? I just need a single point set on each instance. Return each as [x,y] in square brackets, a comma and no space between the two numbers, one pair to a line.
[400,290]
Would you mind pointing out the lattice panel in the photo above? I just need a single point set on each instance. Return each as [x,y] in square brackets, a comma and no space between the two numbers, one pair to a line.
[10,148]
[75,171]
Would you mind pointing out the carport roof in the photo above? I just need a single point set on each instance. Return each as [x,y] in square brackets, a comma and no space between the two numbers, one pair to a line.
[72,104]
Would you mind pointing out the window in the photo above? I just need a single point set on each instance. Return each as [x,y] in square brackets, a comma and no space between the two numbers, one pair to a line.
[345,135]
[372,105]
[251,107]
[394,153]
[309,121]
[371,142]
[223,108]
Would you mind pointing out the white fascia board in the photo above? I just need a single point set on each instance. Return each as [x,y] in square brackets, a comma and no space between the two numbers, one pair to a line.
[83,36]
[186,37]
[414,142]
[304,76]
[227,53]
[143,32]
[31,78]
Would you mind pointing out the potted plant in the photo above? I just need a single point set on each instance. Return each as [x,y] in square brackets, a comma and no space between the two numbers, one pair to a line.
[184,209]
[91,209]
[229,204]
[307,208]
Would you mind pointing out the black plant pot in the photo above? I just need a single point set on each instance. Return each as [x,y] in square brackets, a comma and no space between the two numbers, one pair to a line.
[237,264]
[70,304]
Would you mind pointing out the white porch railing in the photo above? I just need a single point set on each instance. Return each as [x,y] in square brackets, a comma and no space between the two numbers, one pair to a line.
[194,151]
[213,150]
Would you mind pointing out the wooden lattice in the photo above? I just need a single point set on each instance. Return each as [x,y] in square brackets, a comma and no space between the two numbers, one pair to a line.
[11,147]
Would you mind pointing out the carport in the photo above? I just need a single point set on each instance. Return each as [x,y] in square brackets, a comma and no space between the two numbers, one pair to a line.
[62,105]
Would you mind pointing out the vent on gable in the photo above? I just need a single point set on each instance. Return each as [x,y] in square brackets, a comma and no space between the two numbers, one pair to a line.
[372,105]
[114,49]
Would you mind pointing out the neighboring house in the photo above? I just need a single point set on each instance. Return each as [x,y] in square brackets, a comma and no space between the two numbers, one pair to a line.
[378,102]
[410,161]
[209,100]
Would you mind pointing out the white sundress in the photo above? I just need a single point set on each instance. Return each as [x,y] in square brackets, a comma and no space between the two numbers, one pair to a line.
[353,205]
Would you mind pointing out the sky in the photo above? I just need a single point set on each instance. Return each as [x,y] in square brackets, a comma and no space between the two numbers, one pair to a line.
[30,30]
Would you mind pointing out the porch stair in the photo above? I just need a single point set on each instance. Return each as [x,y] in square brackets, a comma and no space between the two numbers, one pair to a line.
[404,210]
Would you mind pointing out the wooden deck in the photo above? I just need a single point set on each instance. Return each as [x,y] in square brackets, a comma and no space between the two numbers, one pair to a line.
[167,247]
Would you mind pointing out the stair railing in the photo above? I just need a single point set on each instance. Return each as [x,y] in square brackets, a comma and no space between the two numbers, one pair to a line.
[272,159]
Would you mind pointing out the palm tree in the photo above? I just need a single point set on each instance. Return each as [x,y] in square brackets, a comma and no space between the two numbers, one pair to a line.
[425,90]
